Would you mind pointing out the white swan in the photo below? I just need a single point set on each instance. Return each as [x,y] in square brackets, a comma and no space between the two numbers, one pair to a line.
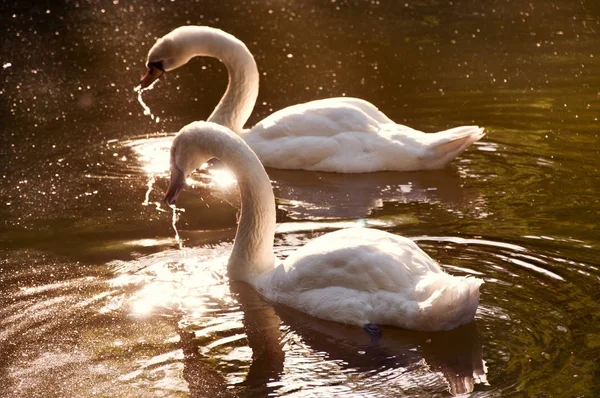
[344,135]
[357,276]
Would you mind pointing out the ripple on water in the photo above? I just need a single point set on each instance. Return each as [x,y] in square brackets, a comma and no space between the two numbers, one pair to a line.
[172,322]
[259,347]
[529,310]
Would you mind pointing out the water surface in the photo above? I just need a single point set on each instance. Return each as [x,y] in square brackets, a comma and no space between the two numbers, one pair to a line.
[97,298]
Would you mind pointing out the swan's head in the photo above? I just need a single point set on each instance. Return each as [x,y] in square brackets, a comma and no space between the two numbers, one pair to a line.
[166,54]
[189,151]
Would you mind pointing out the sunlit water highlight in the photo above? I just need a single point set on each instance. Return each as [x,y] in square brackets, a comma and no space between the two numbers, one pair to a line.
[310,195]
[203,326]
[96,298]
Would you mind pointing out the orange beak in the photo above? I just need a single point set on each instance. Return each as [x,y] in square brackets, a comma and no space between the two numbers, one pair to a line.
[151,75]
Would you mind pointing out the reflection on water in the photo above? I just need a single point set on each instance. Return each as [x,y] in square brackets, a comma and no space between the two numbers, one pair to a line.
[96,298]
[177,325]
[228,329]
[317,195]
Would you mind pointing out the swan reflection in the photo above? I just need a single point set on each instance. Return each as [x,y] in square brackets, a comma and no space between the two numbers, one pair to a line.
[232,341]
[293,350]
[306,195]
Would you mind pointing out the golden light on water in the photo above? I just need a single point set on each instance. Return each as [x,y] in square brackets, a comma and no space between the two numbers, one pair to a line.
[174,279]
[153,154]
[223,178]
[149,242]
[151,297]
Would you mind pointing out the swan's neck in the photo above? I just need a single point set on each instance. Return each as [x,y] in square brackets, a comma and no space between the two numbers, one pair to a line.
[252,252]
[237,103]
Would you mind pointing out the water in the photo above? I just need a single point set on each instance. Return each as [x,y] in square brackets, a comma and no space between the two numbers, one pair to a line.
[97,298]
[147,111]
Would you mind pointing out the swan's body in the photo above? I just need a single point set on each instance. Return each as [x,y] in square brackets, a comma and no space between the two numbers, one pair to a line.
[346,135]
[355,276]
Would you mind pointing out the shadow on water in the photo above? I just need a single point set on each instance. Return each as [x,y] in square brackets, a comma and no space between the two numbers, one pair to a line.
[401,360]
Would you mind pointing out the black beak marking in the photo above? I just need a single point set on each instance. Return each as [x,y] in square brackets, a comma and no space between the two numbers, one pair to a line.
[156,64]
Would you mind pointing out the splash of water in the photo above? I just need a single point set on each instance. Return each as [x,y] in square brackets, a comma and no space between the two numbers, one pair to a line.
[139,90]
[146,201]
[150,184]
[159,208]
[176,212]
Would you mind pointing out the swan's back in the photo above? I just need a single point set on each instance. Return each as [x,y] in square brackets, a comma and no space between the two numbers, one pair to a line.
[363,275]
[350,135]
[362,259]
[322,118]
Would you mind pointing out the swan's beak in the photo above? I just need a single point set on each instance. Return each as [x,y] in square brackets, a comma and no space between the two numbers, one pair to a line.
[175,186]
[151,75]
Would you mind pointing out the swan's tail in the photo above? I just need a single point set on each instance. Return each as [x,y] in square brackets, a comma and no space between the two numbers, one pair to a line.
[454,304]
[448,144]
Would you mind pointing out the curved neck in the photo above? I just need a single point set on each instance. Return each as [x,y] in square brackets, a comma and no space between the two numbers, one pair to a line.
[252,252]
[239,99]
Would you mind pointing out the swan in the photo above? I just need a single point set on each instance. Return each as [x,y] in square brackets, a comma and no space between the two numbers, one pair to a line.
[344,135]
[357,276]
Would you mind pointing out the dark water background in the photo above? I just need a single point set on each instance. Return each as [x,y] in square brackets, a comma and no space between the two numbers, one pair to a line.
[96,299]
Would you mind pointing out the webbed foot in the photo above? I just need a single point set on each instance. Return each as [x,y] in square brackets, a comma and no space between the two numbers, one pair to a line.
[373,329]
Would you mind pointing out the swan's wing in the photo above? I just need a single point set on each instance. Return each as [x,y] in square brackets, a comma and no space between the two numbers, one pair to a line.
[349,135]
[347,151]
[336,135]
[362,259]
[320,118]
[365,106]
[363,275]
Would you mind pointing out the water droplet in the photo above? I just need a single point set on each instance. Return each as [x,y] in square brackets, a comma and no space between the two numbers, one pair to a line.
[176,212]
[146,108]
[150,185]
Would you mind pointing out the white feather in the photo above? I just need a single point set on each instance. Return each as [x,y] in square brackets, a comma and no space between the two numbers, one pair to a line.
[354,276]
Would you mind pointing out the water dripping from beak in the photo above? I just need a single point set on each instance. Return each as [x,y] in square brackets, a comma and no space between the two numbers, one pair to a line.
[139,90]
[176,212]
[150,184]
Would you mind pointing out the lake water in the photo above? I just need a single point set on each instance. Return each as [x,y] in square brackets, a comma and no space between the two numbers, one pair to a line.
[97,299]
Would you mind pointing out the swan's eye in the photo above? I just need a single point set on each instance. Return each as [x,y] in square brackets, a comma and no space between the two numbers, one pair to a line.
[157,64]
